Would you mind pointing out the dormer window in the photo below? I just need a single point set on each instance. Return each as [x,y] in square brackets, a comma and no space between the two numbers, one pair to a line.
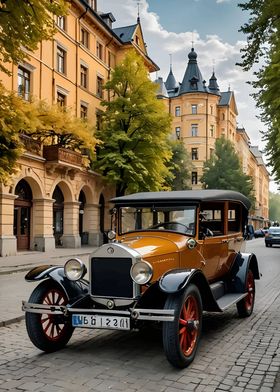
[193,83]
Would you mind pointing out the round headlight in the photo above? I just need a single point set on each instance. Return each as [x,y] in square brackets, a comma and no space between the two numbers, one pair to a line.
[111,235]
[141,272]
[74,269]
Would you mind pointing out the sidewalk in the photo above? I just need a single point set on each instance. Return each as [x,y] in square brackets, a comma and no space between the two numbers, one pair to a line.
[14,288]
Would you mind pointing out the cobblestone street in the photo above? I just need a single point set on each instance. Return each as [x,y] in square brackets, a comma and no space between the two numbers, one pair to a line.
[234,355]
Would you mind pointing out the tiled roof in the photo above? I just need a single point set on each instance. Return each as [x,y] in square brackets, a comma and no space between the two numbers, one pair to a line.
[125,33]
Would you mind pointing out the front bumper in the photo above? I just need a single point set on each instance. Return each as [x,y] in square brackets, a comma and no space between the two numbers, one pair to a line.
[272,241]
[133,313]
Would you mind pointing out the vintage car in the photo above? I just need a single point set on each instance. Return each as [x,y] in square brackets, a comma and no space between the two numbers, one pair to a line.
[171,256]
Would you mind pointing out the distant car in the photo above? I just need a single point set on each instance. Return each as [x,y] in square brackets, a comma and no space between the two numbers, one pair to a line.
[272,236]
[259,233]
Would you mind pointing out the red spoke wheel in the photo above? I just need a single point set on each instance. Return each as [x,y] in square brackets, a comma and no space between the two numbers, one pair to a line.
[181,336]
[48,332]
[246,305]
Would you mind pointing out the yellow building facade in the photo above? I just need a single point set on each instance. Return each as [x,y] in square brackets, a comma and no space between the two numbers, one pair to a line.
[201,114]
[54,200]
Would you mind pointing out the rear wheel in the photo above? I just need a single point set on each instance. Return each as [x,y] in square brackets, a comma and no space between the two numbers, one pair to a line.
[48,332]
[181,336]
[246,305]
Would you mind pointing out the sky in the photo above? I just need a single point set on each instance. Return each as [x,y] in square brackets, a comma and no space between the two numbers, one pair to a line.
[170,27]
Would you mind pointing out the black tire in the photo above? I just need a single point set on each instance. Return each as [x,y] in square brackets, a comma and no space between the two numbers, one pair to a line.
[246,305]
[180,351]
[46,331]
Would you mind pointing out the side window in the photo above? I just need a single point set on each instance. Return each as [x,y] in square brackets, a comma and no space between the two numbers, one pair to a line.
[211,222]
[234,218]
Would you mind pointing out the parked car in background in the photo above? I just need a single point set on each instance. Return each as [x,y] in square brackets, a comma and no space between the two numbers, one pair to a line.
[272,237]
[171,256]
[259,233]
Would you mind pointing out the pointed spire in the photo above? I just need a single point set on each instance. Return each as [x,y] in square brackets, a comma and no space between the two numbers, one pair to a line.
[170,83]
[138,13]
[193,80]
[213,85]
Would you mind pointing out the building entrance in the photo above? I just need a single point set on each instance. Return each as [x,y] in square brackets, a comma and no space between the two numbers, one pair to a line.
[58,208]
[22,215]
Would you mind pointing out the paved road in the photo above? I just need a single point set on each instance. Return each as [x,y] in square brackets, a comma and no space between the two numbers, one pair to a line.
[235,354]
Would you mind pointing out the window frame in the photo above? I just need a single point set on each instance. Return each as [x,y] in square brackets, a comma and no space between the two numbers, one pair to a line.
[25,77]
[194,130]
[194,108]
[83,76]
[61,60]
[177,111]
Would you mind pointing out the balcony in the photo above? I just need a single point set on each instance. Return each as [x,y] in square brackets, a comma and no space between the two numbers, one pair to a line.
[30,145]
[63,160]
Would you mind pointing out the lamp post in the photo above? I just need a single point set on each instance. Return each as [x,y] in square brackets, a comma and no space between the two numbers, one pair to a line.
[178,132]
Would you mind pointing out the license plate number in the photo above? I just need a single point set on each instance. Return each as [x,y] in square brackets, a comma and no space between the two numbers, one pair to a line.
[97,321]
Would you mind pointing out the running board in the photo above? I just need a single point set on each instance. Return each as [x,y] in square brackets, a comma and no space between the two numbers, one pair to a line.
[230,299]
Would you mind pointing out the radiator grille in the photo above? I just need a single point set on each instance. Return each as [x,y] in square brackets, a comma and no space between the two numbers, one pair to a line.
[110,277]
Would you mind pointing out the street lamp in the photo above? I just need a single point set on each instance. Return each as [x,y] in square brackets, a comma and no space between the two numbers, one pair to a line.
[178,132]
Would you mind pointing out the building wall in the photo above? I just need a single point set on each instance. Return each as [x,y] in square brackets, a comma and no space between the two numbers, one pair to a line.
[214,121]
[86,43]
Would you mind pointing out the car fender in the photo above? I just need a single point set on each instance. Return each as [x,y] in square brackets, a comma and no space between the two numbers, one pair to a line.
[73,289]
[242,263]
[174,281]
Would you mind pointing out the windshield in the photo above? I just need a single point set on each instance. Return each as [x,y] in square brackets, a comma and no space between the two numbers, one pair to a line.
[177,219]
[274,230]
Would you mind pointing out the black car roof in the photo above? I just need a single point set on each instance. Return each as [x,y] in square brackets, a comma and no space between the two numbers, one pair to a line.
[196,196]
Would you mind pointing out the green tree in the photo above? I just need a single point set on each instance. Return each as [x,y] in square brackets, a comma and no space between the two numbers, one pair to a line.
[15,115]
[274,207]
[23,24]
[223,171]
[134,131]
[47,124]
[263,46]
[179,166]
[57,126]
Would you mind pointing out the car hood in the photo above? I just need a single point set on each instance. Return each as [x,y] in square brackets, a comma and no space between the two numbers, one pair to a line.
[152,245]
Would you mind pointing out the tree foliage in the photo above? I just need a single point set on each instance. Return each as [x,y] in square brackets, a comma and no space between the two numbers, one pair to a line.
[134,131]
[15,115]
[223,171]
[56,125]
[263,45]
[180,166]
[274,207]
[23,24]
[47,124]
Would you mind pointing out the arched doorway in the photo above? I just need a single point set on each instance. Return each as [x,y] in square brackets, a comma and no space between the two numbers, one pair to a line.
[22,215]
[83,234]
[58,208]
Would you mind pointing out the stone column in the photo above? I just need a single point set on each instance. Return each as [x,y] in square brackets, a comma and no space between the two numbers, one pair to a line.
[71,237]
[91,224]
[8,242]
[42,225]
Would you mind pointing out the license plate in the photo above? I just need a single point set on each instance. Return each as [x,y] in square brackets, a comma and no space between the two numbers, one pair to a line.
[97,321]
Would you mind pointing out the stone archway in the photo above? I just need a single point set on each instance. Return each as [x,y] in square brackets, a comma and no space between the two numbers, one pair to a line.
[22,214]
